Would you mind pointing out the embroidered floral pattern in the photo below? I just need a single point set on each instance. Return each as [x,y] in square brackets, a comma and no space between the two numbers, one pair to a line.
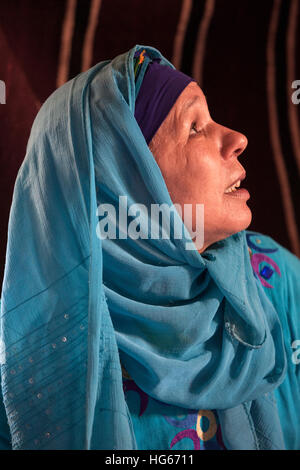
[263,265]
[157,425]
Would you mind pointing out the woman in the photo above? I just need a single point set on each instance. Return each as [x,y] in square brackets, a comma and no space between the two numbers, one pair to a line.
[194,330]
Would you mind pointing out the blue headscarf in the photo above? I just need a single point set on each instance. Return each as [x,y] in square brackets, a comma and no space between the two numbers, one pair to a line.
[192,330]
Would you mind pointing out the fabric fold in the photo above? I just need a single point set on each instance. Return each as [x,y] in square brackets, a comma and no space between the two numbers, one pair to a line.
[73,305]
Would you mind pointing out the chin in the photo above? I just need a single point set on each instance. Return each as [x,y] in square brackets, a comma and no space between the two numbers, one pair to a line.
[240,222]
[232,224]
[225,226]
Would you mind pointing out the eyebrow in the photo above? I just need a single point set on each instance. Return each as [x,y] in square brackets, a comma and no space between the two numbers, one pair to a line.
[191,102]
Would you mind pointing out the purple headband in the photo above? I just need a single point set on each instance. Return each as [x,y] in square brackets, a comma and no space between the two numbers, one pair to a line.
[159,90]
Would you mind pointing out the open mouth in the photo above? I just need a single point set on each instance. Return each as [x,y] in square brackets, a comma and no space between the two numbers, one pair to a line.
[233,187]
[236,190]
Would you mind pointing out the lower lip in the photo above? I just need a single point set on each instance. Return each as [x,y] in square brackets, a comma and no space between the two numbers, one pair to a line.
[241,193]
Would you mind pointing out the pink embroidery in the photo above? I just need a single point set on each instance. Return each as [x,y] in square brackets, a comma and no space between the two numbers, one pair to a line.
[256,259]
[191,434]
[131,385]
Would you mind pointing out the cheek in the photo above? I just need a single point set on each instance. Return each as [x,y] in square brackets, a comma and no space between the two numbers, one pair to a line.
[173,168]
[205,176]
[192,175]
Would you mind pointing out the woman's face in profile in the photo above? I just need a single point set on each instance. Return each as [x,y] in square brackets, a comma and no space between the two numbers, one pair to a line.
[198,159]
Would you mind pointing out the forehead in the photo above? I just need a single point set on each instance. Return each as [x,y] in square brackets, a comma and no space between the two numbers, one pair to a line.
[192,95]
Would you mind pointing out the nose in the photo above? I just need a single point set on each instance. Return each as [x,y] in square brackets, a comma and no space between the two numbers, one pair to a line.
[233,143]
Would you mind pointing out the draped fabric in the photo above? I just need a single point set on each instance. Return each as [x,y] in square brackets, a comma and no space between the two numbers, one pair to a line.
[248,82]
[74,305]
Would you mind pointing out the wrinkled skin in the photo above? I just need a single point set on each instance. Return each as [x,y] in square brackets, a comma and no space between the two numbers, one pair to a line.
[198,159]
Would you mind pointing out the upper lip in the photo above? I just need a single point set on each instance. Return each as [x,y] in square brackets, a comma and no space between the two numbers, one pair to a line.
[240,178]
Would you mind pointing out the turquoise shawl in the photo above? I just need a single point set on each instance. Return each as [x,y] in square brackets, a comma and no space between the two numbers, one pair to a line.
[192,330]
